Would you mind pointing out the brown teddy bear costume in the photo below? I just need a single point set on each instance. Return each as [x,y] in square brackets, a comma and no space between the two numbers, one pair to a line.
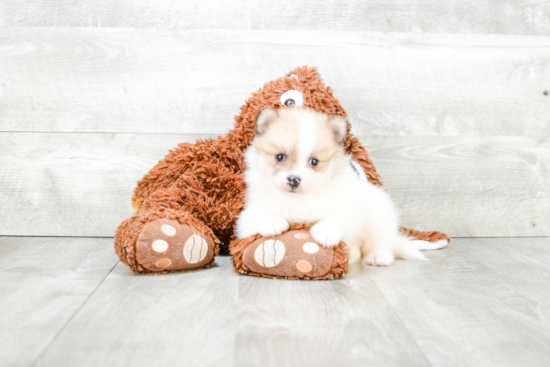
[188,203]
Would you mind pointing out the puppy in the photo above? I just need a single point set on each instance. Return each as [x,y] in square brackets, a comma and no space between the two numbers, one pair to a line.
[298,172]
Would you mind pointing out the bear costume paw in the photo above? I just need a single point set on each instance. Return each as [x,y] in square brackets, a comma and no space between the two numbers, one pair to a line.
[290,255]
[165,242]
[165,245]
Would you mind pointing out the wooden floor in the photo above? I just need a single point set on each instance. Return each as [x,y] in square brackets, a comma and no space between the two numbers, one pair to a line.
[479,302]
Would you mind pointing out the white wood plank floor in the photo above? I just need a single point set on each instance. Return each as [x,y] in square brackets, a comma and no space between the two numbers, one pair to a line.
[479,302]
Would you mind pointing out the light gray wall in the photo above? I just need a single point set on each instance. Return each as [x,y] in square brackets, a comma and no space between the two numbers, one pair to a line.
[448,96]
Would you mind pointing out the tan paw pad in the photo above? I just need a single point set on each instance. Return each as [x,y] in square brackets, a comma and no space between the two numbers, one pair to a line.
[195,249]
[168,230]
[304,266]
[310,247]
[160,245]
[164,263]
[269,253]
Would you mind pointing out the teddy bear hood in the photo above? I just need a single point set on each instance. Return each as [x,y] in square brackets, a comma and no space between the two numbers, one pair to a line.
[304,82]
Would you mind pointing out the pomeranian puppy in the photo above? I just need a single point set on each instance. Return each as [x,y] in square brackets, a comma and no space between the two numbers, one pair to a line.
[298,172]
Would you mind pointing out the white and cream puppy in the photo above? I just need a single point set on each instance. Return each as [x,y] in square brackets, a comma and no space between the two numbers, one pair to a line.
[298,172]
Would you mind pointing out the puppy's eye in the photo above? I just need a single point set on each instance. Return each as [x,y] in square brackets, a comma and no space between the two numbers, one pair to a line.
[280,157]
[313,162]
[292,97]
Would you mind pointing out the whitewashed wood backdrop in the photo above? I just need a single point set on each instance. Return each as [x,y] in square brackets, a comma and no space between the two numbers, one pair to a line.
[448,96]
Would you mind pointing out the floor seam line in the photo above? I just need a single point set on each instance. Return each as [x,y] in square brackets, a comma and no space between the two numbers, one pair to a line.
[402,323]
[72,317]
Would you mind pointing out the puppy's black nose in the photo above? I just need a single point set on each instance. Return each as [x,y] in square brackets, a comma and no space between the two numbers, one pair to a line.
[293,181]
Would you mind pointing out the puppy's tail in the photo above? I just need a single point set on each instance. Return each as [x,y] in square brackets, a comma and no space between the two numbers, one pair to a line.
[409,249]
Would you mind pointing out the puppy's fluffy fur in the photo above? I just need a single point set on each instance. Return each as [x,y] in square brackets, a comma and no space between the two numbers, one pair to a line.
[298,172]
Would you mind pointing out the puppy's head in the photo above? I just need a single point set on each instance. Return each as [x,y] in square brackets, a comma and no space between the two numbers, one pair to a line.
[299,150]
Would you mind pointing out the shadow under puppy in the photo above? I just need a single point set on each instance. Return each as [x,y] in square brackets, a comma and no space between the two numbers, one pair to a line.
[298,172]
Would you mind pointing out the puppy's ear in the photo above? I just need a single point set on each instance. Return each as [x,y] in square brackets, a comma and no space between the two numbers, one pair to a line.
[339,127]
[264,118]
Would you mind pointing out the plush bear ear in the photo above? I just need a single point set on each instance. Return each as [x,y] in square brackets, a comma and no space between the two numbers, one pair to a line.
[339,127]
[264,118]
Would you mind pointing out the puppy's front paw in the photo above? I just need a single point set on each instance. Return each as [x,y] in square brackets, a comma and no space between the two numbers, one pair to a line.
[272,226]
[379,258]
[326,234]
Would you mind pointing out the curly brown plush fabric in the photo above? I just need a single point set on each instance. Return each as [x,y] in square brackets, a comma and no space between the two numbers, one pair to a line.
[202,184]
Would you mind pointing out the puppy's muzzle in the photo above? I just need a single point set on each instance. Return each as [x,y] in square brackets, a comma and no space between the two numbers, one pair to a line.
[293,181]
